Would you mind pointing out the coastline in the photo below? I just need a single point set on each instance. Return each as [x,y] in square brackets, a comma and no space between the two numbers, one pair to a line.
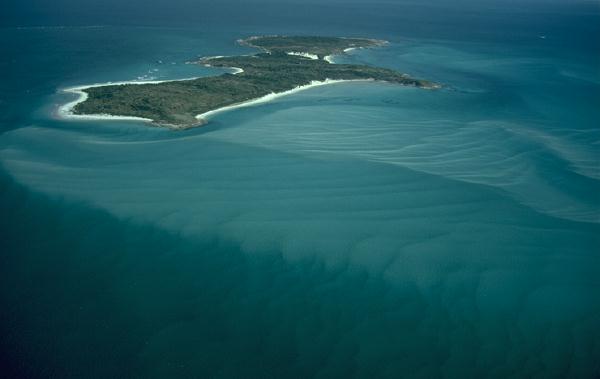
[204,117]
[236,70]
[330,58]
[65,111]
[302,54]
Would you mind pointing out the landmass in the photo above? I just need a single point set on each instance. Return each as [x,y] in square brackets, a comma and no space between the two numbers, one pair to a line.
[285,65]
[310,47]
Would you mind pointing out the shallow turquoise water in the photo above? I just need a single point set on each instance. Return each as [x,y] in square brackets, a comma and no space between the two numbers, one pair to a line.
[355,229]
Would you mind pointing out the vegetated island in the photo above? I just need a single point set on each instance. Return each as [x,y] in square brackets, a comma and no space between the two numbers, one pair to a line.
[285,65]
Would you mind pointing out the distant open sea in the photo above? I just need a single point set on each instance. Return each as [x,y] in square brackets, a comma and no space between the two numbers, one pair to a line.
[352,230]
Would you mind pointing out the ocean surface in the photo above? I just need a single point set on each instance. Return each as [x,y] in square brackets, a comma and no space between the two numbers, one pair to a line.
[351,230]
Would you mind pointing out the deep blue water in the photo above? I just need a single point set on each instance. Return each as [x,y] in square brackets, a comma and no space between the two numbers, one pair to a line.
[352,230]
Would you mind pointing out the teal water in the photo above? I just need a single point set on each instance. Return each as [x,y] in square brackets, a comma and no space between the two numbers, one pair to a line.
[352,230]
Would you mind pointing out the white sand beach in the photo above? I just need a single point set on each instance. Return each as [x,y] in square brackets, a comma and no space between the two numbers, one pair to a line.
[305,55]
[272,96]
[66,111]
[236,70]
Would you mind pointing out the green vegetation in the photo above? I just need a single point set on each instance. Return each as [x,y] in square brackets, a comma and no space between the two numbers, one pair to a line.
[320,46]
[176,103]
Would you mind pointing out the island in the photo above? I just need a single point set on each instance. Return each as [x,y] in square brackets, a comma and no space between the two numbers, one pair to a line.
[284,65]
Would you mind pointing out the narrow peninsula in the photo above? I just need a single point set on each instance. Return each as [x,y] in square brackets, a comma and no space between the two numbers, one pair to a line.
[284,65]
